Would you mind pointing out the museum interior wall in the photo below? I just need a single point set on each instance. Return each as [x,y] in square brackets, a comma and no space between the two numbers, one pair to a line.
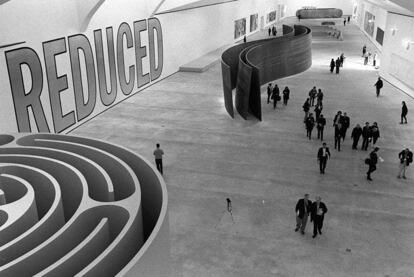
[391,33]
[397,64]
[63,75]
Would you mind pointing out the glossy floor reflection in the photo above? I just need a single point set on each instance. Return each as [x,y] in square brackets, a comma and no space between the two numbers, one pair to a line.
[264,167]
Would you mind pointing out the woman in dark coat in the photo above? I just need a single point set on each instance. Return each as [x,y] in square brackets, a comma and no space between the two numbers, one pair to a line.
[375,133]
[286,93]
[404,111]
[332,65]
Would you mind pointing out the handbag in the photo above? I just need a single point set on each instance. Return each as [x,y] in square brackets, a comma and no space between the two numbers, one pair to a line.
[367,161]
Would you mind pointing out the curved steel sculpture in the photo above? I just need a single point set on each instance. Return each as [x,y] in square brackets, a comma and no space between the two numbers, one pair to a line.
[248,66]
[319,13]
[73,206]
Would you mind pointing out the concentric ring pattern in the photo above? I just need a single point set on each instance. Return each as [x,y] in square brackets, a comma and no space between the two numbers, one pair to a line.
[74,206]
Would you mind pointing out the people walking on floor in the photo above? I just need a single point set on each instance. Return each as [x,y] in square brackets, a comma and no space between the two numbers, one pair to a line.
[312,96]
[320,125]
[374,59]
[274,31]
[244,39]
[275,95]
[406,157]
[345,123]
[337,65]
[310,123]
[375,133]
[344,21]
[355,135]
[306,107]
[337,137]
[332,65]
[318,211]
[378,85]
[323,156]
[319,97]
[158,152]
[364,50]
[318,110]
[269,92]
[404,112]
[269,31]
[286,95]
[349,19]
[342,59]
[372,162]
[366,135]
[302,210]
[337,119]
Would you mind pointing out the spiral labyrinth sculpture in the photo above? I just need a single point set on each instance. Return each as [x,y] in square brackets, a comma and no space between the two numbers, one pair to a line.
[72,206]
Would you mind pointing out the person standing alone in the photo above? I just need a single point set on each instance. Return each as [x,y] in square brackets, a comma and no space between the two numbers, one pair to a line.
[378,85]
[372,162]
[332,65]
[323,155]
[158,152]
[269,92]
[404,112]
[286,95]
[302,210]
[355,135]
[318,211]
[275,95]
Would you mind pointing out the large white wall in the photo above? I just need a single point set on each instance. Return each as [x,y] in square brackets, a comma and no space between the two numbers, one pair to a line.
[397,64]
[380,19]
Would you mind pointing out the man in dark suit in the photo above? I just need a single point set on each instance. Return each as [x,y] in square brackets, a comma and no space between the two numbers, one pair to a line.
[323,155]
[355,135]
[346,122]
[302,212]
[320,125]
[366,134]
[318,211]
[378,85]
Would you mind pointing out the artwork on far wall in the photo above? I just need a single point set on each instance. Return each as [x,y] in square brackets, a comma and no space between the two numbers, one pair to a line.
[254,22]
[369,23]
[271,17]
[239,28]
[380,35]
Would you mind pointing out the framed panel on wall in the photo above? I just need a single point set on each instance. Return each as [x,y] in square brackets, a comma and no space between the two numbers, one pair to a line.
[271,17]
[369,23]
[254,22]
[239,28]
[380,35]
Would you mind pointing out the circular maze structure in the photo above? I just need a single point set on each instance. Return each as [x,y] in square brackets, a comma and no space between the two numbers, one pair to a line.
[74,206]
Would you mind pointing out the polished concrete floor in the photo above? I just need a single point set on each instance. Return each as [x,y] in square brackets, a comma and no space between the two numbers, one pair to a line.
[265,167]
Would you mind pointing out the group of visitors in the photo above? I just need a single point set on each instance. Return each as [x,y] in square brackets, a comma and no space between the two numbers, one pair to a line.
[318,120]
[369,58]
[273,93]
[336,64]
[272,31]
[316,210]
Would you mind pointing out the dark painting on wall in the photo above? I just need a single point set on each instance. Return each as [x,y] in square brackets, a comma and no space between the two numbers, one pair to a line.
[271,17]
[369,23]
[380,35]
[239,28]
[253,22]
